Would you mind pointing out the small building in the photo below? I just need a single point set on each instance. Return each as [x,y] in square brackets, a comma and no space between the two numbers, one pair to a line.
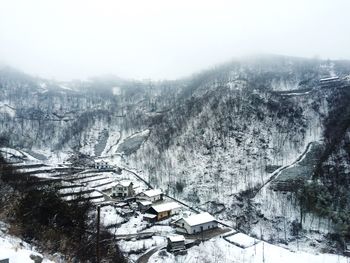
[197,223]
[102,165]
[144,205]
[347,250]
[152,195]
[330,82]
[160,212]
[176,243]
[329,79]
[122,189]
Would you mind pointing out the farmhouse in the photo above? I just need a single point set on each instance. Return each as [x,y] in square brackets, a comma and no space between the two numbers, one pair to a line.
[122,189]
[176,243]
[160,212]
[197,223]
[152,195]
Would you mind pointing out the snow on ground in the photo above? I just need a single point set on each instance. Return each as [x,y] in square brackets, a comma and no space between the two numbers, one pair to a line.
[164,230]
[112,143]
[97,197]
[110,216]
[12,152]
[116,91]
[141,245]
[65,87]
[219,250]
[5,108]
[16,250]
[133,226]
[242,240]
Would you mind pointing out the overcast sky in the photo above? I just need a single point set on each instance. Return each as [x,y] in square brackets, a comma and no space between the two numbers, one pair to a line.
[163,39]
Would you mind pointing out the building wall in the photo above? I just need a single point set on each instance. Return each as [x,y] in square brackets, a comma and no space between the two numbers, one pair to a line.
[198,229]
[162,215]
[176,245]
[124,191]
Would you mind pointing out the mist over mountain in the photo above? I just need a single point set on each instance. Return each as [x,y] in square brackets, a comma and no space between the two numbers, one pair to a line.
[261,143]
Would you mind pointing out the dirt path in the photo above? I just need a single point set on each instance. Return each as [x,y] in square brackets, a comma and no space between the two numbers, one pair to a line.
[276,173]
[145,257]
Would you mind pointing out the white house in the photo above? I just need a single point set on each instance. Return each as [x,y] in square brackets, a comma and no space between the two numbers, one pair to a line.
[197,223]
[152,195]
[122,189]
[101,165]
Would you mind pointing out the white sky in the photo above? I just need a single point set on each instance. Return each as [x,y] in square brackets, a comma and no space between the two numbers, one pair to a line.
[159,39]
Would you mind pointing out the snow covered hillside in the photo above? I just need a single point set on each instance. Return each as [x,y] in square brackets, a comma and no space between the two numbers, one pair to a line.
[234,141]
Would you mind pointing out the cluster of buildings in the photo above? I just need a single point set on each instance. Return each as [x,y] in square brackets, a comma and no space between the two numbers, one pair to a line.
[151,205]
[153,208]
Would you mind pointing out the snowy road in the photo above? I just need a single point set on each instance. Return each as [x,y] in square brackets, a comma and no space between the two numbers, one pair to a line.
[145,257]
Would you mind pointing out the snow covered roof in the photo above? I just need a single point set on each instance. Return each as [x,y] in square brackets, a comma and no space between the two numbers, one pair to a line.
[121,204]
[145,203]
[166,207]
[152,192]
[199,219]
[122,183]
[100,161]
[149,215]
[330,78]
[176,238]
[125,183]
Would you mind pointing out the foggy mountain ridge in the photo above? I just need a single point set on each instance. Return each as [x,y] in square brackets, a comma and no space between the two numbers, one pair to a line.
[211,140]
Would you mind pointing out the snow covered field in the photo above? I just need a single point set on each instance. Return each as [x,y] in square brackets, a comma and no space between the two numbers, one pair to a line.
[218,250]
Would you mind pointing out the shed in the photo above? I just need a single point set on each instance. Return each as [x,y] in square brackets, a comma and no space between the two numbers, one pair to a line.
[162,211]
[176,243]
[197,223]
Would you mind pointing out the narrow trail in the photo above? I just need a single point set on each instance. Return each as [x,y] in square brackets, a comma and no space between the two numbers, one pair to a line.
[276,173]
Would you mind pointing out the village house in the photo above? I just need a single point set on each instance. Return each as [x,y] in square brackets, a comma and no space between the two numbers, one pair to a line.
[176,243]
[122,189]
[152,195]
[102,165]
[159,212]
[196,223]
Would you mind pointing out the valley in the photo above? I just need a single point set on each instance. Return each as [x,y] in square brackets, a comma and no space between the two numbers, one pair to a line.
[242,142]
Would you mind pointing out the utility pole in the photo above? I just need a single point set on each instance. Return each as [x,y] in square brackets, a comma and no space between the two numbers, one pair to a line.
[98,235]
[263,247]
[202,234]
